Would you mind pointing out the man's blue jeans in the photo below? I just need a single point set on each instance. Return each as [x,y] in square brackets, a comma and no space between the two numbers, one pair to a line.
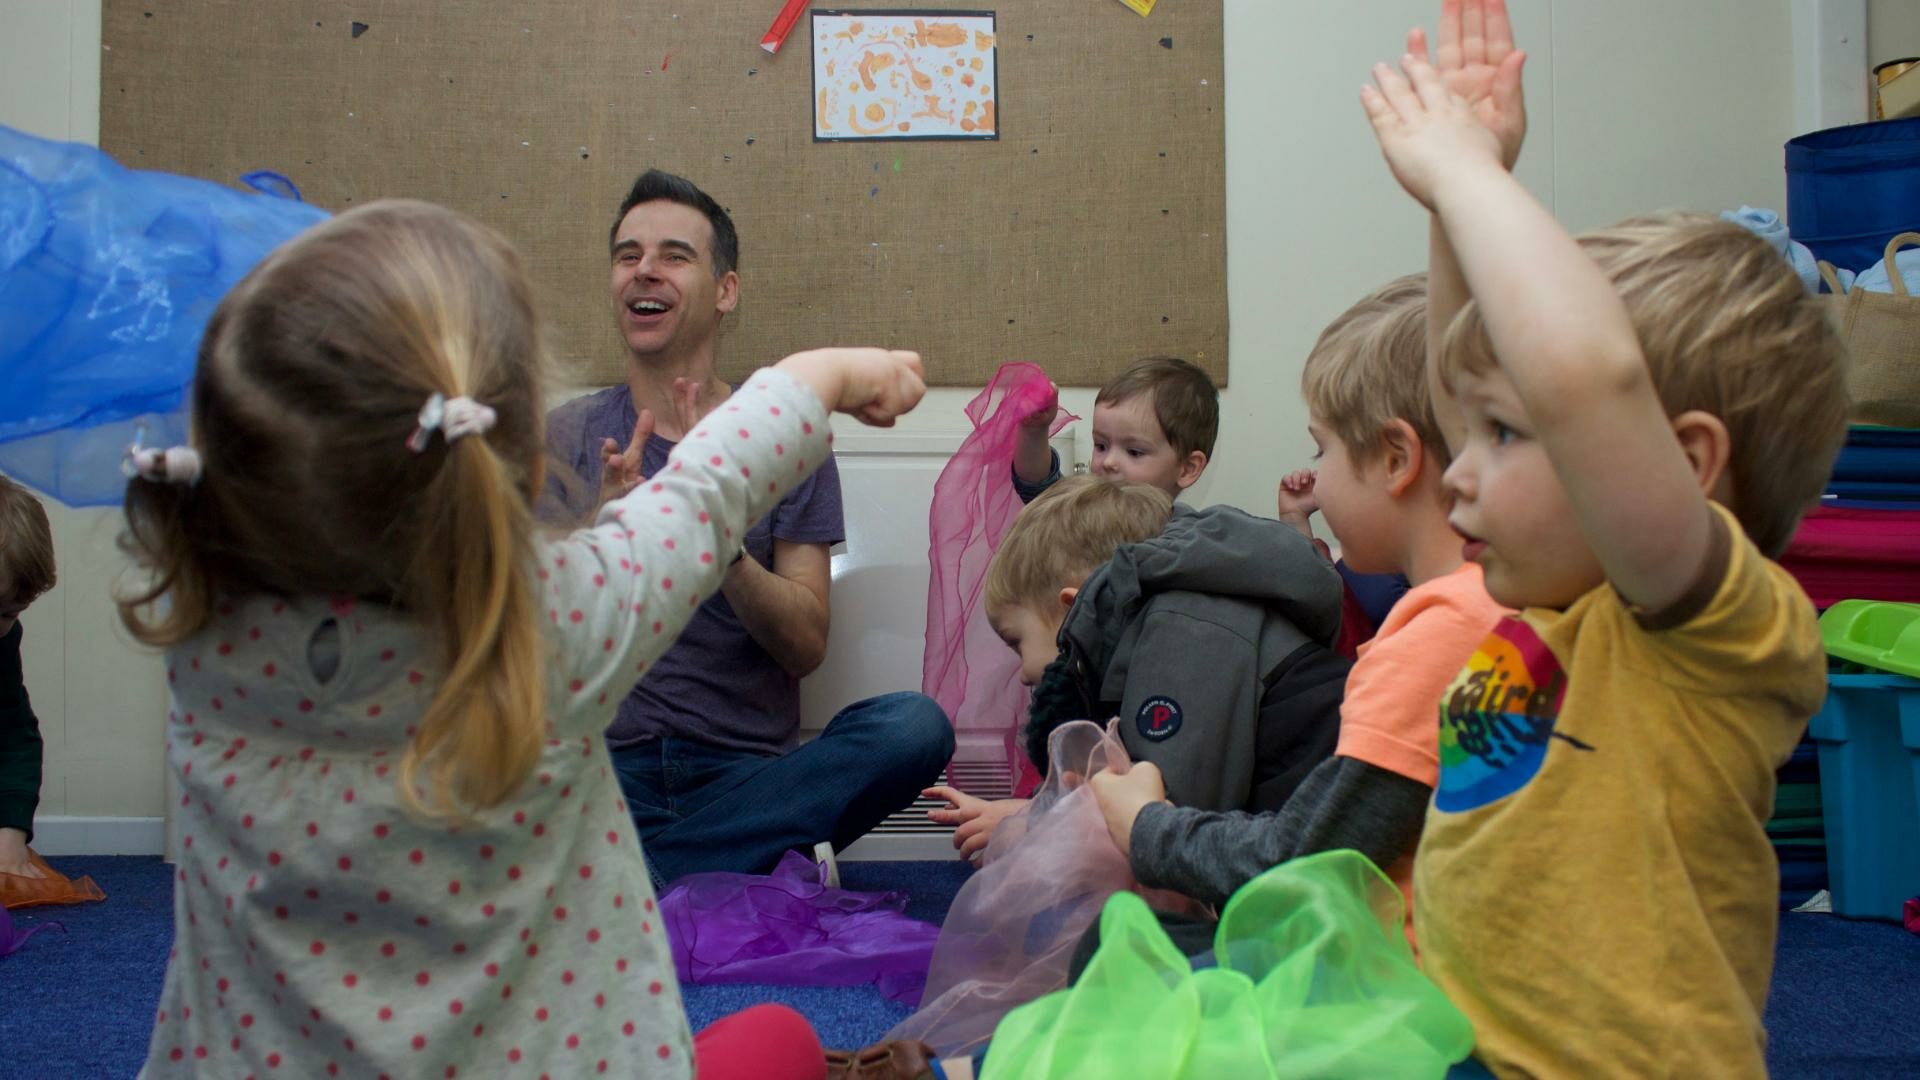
[701,808]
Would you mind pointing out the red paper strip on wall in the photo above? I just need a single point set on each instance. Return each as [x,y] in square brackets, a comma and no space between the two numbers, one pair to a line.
[782,26]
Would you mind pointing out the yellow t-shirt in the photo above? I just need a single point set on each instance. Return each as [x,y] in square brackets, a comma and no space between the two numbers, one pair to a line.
[1594,887]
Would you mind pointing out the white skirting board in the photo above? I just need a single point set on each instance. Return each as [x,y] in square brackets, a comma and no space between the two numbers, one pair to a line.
[883,847]
[56,836]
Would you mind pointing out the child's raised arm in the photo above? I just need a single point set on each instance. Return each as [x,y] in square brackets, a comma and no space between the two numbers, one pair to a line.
[1561,335]
[1479,64]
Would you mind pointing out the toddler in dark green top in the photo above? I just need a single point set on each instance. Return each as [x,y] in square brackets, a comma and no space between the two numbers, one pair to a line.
[26,571]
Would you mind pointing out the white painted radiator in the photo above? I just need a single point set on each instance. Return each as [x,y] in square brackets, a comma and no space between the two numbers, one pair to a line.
[879,625]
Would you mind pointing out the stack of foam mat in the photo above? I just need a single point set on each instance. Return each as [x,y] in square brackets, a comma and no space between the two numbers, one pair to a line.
[1861,543]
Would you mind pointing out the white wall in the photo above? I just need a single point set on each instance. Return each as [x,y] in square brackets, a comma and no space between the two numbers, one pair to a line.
[1635,105]
[100,699]
[1893,30]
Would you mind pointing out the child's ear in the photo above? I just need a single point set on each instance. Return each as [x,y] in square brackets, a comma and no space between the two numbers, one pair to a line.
[1403,455]
[1066,597]
[1704,439]
[1191,469]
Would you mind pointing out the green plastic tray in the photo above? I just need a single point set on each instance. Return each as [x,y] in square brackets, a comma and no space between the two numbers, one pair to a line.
[1876,633]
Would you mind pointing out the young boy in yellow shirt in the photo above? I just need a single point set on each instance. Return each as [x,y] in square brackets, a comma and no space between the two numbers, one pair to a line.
[1648,411]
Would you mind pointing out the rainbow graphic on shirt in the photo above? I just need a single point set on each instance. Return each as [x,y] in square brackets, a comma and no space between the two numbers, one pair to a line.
[1497,718]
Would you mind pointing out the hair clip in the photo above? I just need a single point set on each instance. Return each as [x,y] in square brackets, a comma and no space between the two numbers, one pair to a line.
[161,465]
[459,417]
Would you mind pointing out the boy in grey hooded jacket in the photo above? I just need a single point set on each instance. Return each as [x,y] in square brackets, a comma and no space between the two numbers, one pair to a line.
[1211,642]
[1205,632]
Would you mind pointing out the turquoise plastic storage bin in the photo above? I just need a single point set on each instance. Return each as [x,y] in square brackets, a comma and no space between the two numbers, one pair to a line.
[1868,733]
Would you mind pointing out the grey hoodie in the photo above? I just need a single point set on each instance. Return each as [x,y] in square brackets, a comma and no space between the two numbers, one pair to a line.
[1211,643]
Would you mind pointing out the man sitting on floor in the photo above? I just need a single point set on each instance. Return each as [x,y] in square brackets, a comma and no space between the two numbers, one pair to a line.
[705,742]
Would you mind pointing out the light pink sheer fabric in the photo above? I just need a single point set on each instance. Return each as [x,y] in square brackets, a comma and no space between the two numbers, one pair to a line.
[1013,927]
[966,667]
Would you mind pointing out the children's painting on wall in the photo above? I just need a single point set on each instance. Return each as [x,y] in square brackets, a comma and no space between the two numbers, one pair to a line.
[904,75]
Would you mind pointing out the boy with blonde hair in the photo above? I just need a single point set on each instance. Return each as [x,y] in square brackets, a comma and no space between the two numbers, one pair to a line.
[1154,423]
[1206,632]
[1378,485]
[26,571]
[1647,412]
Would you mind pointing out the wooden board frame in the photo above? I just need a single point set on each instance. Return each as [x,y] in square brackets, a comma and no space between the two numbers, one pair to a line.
[1092,232]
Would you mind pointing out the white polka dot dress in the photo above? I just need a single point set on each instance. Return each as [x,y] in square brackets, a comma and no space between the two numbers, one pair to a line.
[320,930]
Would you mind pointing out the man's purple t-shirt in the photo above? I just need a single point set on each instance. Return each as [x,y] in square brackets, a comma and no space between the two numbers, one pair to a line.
[716,685]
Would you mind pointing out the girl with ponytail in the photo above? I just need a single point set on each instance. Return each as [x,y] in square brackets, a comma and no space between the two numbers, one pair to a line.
[401,847]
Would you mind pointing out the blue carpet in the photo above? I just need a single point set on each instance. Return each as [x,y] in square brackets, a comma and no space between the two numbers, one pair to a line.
[1845,1000]
[81,1005]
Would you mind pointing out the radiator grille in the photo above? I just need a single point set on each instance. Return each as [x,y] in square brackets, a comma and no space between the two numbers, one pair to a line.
[979,768]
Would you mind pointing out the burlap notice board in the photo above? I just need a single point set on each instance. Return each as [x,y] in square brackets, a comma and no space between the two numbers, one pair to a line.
[1091,232]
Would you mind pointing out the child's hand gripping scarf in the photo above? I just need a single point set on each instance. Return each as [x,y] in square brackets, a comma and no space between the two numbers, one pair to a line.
[1012,930]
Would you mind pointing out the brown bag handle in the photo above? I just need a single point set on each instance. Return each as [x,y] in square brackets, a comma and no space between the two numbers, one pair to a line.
[1832,279]
[1894,280]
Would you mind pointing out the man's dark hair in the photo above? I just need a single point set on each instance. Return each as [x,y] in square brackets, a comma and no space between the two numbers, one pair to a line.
[656,186]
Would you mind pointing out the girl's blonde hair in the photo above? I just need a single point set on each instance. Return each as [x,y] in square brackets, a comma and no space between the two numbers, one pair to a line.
[310,380]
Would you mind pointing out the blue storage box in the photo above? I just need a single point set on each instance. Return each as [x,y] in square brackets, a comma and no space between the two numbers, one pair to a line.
[1850,189]
[1869,737]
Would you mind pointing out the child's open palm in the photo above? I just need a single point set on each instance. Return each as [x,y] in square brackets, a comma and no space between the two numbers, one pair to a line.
[1479,65]
[1426,133]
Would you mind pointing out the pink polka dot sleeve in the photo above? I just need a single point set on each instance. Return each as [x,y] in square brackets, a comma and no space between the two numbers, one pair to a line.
[617,595]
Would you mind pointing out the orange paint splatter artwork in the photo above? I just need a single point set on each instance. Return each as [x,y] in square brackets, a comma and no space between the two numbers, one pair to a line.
[934,111]
[939,36]
[917,76]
